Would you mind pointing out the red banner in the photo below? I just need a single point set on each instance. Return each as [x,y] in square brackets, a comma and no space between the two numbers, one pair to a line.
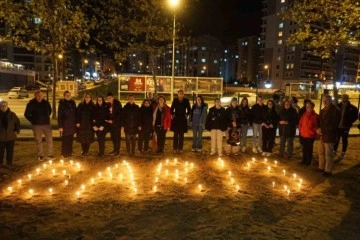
[137,84]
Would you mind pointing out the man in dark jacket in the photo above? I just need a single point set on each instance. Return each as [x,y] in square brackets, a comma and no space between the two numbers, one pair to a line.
[9,128]
[131,123]
[349,114]
[67,124]
[180,110]
[328,123]
[114,123]
[287,128]
[257,112]
[146,118]
[38,112]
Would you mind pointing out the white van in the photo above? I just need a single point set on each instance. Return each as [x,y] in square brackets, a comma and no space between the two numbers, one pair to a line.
[18,92]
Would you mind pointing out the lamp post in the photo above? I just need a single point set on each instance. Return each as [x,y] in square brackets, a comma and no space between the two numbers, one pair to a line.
[173,4]
[58,72]
[83,66]
[268,71]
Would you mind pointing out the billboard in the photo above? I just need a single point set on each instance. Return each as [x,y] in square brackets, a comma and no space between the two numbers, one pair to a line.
[186,84]
[137,84]
[163,84]
[209,85]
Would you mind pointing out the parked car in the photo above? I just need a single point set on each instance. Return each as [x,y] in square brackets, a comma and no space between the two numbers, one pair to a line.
[226,99]
[99,81]
[18,92]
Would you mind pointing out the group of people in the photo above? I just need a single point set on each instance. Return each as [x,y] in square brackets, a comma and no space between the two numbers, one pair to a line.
[154,118]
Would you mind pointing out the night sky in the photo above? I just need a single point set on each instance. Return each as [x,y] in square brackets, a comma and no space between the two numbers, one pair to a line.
[227,20]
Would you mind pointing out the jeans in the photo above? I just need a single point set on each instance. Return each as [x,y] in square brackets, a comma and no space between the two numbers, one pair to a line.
[39,131]
[342,133]
[9,147]
[197,137]
[143,141]
[216,140]
[115,134]
[290,145]
[307,150]
[67,145]
[178,141]
[243,134]
[257,130]
[268,137]
[326,156]
[160,134]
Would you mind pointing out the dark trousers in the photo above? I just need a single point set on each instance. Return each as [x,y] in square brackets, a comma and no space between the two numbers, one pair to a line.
[67,145]
[342,133]
[9,147]
[178,141]
[130,143]
[85,147]
[101,141]
[307,150]
[143,141]
[115,134]
[268,139]
[160,134]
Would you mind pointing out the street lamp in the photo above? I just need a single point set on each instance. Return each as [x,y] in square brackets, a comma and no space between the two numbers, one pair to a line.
[268,71]
[173,4]
[140,65]
[60,56]
[268,84]
[84,63]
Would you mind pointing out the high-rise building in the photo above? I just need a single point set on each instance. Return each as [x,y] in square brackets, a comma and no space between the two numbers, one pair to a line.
[229,63]
[248,62]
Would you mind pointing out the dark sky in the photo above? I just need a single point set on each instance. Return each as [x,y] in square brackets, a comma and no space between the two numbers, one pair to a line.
[224,19]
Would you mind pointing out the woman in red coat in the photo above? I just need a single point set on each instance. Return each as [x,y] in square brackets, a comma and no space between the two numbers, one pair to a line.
[307,130]
[161,123]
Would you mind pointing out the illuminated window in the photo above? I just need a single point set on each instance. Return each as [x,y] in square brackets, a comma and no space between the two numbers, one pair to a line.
[203,48]
[280,42]
[280,34]
[282,1]
[203,60]
[215,61]
[281,25]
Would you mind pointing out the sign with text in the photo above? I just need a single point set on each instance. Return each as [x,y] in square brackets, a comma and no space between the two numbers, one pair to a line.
[137,84]
[209,86]
[163,84]
[186,84]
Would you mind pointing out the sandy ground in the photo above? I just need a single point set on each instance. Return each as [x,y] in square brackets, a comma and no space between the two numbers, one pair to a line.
[239,198]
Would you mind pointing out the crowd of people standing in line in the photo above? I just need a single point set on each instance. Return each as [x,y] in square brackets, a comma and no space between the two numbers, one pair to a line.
[154,118]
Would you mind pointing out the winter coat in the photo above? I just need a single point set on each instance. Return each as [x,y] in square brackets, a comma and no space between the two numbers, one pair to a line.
[328,122]
[146,118]
[245,115]
[38,113]
[67,117]
[270,116]
[257,113]
[291,116]
[167,117]
[350,115]
[308,124]
[85,132]
[9,126]
[115,113]
[100,116]
[233,114]
[203,115]
[302,110]
[180,111]
[131,118]
[216,119]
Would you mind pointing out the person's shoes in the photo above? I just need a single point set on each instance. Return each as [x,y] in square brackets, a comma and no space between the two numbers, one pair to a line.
[50,157]
[116,154]
[327,174]
[319,170]
[236,154]
[40,158]
[100,155]
[260,150]
[243,149]
[255,150]
[263,154]
[193,150]
[83,154]
[180,151]
[342,155]
[268,154]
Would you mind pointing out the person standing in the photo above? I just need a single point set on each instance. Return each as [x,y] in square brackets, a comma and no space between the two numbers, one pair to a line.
[307,129]
[161,123]
[146,119]
[101,118]
[216,124]
[288,119]
[9,129]
[115,109]
[302,110]
[38,112]
[349,114]
[245,122]
[84,124]
[233,124]
[152,100]
[131,123]
[257,112]
[328,123]
[197,120]
[180,110]
[269,126]
[67,124]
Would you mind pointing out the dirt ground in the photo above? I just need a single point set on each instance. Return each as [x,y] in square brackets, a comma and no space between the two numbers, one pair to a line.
[196,197]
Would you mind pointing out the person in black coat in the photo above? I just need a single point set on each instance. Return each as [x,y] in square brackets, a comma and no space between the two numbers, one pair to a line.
[101,119]
[131,123]
[67,124]
[115,109]
[180,110]
[245,122]
[9,129]
[349,114]
[288,119]
[84,124]
[233,128]
[269,126]
[146,118]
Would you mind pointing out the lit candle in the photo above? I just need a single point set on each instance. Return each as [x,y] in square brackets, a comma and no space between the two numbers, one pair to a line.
[186,163]
[284,172]
[108,169]
[229,173]
[78,166]
[44,166]
[294,175]
[31,192]
[99,174]
[83,187]
[265,160]
[64,172]
[186,170]
[269,168]
[66,182]
[135,190]
[10,189]
[50,162]
[62,162]
[232,180]
[50,191]
[300,181]
[185,179]
[71,162]
[92,181]
[116,165]
[248,165]
[19,182]
[38,171]
[253,159]
[237,187]
[155,188]
[167,161]
[285,187]
[156,179]
[192,165]
[299,185]
[273,184]
[288,192]
[166,172]
[175,161]
[275,162]
[176,173]
[77,195]
[110,175]
[121,176]
[53,171]
[159,170]
[200,187]
[29,177]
